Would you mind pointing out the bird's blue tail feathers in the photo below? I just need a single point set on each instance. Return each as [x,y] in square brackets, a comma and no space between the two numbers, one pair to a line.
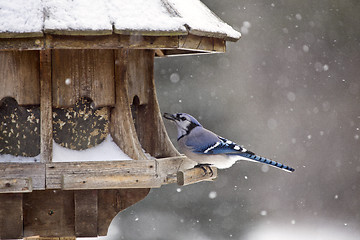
[253,157]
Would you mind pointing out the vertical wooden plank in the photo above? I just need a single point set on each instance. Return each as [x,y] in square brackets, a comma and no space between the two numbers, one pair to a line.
[122,128]
[111,202]
[219,45]
[139,70]
[83,73]
[11,216]
[149,124]
[45,106]
[49,213]
[19,76]
[86,213]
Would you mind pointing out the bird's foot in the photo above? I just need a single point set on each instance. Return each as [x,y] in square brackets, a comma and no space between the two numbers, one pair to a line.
[206,168]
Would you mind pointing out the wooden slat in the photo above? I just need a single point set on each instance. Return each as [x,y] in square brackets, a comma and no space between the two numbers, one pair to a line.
[101,181]
[139,71]
[111,42]
[219,45]
[15,185]
[90,73]
[115,41]
[189,42]
[78,32]
[22,43]
[122,128]
[35,171]
[19,76]
[195,175]
[11,216]
[49,213]
[49,238]
[207,44]
[86,212]
[111,202]
[159,53]
[45,107]
[56,171]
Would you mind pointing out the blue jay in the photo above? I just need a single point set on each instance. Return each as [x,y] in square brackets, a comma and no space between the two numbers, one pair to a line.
[208,149]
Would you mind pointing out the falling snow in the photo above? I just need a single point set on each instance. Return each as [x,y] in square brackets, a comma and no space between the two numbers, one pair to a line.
[212,194]
[174,77]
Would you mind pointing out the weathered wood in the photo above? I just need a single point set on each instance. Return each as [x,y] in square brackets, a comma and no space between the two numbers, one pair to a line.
[219,45]
[78,32]
[22,43]
[49,213]
[139,71]
[189,43]
[83,73]
[11,216]
[207,44]
[201,33]
[19,76]
[111,42]
[15,185]
[45,106]
[101,181]
[195,175]
[111,202]
[122,128]
[86,212]
[49,238]
[159,53]
[167,168]
[20,34]
[56,171]
[35,171]
[148,120]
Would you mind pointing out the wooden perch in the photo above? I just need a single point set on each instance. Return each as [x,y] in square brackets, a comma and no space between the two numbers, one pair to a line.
[195,175]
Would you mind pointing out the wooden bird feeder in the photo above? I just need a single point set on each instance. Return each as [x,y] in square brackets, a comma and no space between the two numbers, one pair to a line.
[74,83]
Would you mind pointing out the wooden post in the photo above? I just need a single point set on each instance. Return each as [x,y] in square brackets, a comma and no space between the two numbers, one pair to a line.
[45,106]
[86,213]
[149,124]
[122,127]
[11,216]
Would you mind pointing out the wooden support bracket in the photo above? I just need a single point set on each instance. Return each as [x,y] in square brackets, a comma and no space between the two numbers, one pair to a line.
[195,175]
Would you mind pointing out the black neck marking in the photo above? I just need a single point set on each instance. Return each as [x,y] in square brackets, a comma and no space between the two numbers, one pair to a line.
[189,129]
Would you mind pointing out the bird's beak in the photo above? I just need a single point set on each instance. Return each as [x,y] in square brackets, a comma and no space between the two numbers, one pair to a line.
[169,116]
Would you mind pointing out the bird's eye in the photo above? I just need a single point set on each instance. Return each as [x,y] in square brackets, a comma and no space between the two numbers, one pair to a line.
[183,118]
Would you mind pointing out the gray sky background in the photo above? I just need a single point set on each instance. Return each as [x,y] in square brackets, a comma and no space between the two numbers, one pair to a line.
[288,90]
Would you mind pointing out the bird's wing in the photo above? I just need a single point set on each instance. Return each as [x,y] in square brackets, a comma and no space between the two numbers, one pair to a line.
[206,142]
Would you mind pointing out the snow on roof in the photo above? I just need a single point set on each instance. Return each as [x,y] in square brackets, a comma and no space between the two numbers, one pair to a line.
[156,17]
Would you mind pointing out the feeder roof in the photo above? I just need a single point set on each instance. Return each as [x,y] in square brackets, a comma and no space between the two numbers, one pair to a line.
[34,18]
